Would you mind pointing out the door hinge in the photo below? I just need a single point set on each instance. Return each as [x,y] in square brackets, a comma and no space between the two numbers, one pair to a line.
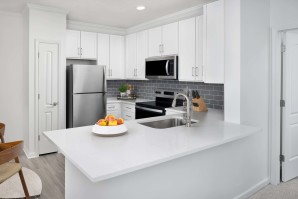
[282,103]
[38,96]
[283,48]
[38,55]
[38,137]
[281,158]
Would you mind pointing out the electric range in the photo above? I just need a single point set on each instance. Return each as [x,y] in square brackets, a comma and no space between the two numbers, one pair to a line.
[163,100]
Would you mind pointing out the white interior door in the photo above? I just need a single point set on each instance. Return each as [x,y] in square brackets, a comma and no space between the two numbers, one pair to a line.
[290,111]
[48,65]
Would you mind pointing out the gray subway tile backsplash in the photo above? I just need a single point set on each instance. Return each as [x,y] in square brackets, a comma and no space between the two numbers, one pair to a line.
[213,94]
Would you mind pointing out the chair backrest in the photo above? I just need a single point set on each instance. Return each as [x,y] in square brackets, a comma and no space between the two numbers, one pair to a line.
[2,130]
[10,150]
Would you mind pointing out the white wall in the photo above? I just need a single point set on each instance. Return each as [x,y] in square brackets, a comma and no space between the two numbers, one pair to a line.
[284,14]
[13,77]
[232,61]
[255,42]
[45,25]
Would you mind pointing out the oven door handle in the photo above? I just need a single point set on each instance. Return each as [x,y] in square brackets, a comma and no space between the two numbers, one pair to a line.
[149,109]
[167,67]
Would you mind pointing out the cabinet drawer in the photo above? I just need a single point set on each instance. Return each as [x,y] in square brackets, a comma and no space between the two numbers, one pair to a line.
[128,115]
[116,113]
[128,107]
[113,106]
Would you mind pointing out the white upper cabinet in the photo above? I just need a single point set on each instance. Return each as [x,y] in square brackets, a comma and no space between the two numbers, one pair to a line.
[111,54]
[214,42]
[187,49]
[131,56]
[191,49]
[136,53]
[81,45]
[73,44]
[142,53]
[199,48]
[103,51]
[163,40]
[117,59]
[154,41]
[88,45]
[170,39]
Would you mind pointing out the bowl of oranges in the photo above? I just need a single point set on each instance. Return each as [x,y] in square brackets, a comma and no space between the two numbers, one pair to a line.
[110,126]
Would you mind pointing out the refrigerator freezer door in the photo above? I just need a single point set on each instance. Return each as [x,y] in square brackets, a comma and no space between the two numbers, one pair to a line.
[88,79]
[88,108]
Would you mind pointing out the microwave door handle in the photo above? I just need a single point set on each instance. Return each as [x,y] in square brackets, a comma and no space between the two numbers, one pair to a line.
[167,67]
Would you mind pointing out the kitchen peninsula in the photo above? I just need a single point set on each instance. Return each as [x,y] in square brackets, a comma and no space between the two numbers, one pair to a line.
[151,163]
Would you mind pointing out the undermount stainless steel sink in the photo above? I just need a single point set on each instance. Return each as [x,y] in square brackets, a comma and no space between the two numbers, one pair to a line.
[166,123]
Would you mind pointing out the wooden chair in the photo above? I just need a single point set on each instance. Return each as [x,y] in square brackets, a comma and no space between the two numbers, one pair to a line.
[2,129]
[8,152]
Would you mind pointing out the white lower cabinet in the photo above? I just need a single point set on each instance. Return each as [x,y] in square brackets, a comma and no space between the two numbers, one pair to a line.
[114,108]
[128,111]
[121,109]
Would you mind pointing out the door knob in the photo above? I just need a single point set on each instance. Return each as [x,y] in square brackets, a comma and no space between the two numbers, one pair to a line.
[54,104]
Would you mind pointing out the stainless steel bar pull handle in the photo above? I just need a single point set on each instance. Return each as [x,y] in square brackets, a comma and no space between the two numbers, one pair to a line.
[167,67]
[196,71]
[79,52]
[192,71]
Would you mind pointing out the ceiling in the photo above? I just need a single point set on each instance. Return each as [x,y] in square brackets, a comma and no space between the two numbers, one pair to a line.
[116,13]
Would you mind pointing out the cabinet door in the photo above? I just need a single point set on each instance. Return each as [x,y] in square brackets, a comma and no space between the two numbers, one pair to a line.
[142,53]
[199,48]
[88,45]
[73,44]
[214,69]
[154,42]
[117,56]
[103,53]
[170,39]
[187,49]
[131,56]
[115,109]
[128,115]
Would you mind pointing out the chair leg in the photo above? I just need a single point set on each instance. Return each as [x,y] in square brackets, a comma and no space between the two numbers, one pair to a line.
[2,138]
[24,184]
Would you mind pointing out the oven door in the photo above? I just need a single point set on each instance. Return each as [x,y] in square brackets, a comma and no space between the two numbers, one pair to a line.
[143,112]
[162,67]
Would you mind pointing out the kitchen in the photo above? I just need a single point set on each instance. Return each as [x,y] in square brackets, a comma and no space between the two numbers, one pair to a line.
[239,52]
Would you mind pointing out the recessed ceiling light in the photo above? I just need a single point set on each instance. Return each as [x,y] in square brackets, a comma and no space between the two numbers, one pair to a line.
[141,8]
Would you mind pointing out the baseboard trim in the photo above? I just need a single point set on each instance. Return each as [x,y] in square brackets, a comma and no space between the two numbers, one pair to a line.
[30,155]
[253,189]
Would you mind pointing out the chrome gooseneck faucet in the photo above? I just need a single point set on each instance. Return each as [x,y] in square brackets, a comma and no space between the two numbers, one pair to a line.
[188,115]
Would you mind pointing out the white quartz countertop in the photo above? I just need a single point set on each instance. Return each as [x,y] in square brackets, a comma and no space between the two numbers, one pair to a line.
[101,158]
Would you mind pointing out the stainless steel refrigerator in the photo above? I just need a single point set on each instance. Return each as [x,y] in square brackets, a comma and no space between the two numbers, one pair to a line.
[85,95]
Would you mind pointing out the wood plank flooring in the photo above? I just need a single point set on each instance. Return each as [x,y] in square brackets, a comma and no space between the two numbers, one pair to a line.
[50,169]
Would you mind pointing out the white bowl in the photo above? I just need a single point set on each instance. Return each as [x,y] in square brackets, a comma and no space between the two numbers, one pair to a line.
[109,130]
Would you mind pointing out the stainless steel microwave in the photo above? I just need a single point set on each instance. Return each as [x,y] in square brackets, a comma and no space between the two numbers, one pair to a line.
[165,67]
